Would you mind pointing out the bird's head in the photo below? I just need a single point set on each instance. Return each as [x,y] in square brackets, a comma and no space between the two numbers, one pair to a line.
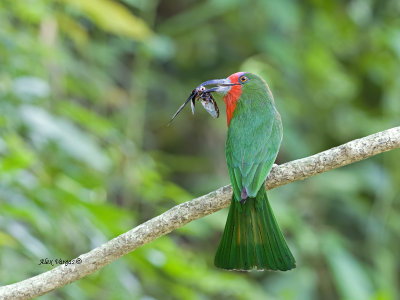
[236,82]
[233,86]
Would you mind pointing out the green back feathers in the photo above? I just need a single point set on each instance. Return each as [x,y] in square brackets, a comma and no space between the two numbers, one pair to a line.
[254,137]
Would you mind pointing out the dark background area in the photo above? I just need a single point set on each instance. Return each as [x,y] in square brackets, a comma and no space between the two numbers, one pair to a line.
[87,88]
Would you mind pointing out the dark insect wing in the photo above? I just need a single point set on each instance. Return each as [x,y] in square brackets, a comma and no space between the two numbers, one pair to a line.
[191,97]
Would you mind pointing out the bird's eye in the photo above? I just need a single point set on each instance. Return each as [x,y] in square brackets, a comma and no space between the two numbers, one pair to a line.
[243,79]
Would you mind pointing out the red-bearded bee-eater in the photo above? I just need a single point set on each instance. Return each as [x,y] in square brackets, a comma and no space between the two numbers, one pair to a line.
[252,238]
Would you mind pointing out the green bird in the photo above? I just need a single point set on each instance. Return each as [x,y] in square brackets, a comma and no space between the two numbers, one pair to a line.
[252,238]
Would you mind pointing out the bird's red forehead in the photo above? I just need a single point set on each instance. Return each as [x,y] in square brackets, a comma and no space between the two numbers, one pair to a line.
[234,78]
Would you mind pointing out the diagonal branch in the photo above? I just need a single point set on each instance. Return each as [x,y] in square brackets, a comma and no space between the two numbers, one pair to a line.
[188,211]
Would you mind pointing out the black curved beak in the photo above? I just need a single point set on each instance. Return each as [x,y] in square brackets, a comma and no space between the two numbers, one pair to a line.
[222,85]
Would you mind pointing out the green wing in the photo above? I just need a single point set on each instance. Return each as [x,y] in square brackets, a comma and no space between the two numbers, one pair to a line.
[252,144]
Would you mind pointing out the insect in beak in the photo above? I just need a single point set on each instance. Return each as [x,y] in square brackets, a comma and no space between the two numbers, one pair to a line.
[208,102]
[205,97]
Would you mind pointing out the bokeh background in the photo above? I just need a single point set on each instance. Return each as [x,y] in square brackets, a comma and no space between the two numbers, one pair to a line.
[87,88]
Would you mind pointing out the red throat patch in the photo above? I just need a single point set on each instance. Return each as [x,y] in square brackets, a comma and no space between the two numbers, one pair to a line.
[232,97]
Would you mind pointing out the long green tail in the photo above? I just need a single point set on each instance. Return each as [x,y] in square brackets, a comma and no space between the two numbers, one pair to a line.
[252,238]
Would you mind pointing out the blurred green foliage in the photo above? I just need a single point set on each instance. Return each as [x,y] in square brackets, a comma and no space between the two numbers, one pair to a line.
[86,91]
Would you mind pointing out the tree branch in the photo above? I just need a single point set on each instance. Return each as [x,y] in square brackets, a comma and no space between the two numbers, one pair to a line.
[188,211]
